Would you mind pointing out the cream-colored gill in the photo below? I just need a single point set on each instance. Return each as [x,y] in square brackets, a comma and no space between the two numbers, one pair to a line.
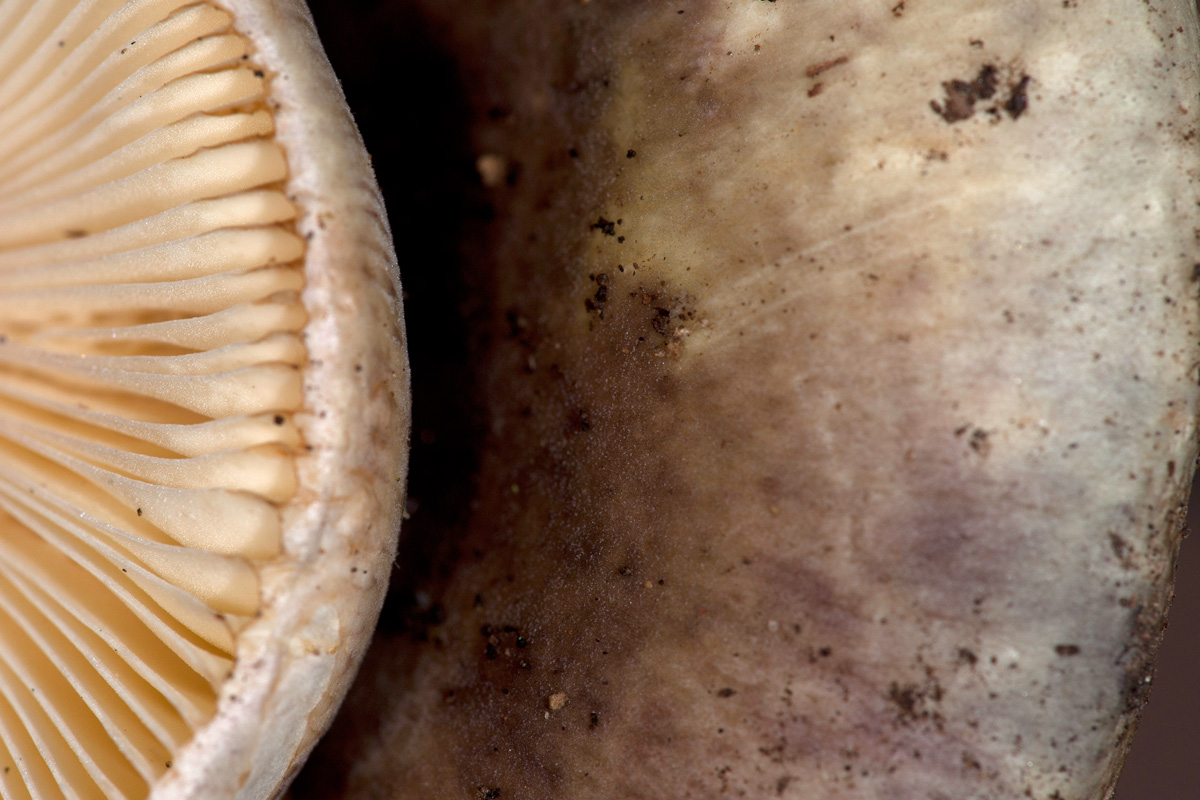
[211,172]
[30,308]
[138,743]
[201,255]
[254,209]
[227,326]
[151,357]
[87,140]
[196,439]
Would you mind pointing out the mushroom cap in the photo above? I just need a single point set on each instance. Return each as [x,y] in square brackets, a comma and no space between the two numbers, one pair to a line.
[773,488]
[253,526]
[295,664]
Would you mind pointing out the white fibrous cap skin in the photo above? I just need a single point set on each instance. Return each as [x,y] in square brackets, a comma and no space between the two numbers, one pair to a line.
[203,397]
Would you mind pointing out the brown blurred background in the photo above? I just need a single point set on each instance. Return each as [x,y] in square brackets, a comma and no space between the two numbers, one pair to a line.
[393,68]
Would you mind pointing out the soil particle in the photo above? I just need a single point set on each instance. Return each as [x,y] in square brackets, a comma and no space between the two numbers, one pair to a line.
[913,701]
[961,95]
[600,296]
[978,441]
[605,226]
[492,169]
[1121,549]
[661,322]
[1018,100]
[905,698]
[816,69]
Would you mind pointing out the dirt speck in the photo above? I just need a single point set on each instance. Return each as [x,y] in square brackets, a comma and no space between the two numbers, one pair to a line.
[961,96]
[979,442]
[605,226]
[1121,549]
[1018,100]
[816,69]
[492,169]
[600,296]
[913,701]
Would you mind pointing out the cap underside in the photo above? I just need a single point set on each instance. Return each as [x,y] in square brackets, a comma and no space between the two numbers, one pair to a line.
[150,364]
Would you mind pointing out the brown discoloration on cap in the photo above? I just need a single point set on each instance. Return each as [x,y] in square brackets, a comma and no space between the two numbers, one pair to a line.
[776,502]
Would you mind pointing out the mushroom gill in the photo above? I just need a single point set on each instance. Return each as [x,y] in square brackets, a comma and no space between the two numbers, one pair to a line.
[150,367]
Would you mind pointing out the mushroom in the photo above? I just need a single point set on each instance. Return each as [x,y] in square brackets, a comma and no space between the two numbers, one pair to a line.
[839,396]
[203,397]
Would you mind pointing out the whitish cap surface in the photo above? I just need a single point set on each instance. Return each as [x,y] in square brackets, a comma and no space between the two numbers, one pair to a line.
[204,401]
[862,425]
